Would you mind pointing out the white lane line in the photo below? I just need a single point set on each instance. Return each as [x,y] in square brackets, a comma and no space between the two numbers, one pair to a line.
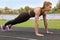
[17,37]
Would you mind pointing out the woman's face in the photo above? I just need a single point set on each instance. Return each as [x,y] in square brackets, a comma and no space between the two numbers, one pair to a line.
[48,8]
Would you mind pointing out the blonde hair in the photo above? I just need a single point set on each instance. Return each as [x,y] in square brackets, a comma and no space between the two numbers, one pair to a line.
[46,4]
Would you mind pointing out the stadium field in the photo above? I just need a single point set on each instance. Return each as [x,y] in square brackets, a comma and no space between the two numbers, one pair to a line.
[52,24]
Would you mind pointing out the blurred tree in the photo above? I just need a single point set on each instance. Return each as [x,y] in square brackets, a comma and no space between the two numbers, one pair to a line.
[0,11]
[58,5]
[27,8]
[57,8]
[6,9]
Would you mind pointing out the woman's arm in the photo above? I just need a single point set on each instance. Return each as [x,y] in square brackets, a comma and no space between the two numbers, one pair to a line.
[37,13]
[46,24]
[36,23]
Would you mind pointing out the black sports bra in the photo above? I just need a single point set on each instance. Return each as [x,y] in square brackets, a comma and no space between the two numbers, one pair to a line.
[32,13]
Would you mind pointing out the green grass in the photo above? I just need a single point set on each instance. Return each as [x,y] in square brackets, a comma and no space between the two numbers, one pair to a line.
[52,24]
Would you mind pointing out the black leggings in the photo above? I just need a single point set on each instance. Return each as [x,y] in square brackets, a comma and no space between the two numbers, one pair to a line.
[24,16]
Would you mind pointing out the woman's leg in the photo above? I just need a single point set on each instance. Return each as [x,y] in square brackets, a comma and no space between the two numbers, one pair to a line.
[21,18]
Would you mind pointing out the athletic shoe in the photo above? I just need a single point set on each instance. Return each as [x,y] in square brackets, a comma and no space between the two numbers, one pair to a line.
[3,28]
[9,28]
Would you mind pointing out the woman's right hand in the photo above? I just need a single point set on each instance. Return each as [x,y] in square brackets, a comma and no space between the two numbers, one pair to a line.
[40,35]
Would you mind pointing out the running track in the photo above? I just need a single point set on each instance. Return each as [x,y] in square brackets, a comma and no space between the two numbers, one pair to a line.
[28,34]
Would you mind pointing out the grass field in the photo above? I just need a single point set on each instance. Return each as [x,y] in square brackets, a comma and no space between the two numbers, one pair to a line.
[52,24]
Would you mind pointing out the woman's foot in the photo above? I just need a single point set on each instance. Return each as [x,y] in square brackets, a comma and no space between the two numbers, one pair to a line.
[41,35]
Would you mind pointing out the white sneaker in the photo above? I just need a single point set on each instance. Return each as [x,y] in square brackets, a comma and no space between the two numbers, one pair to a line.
[9,28]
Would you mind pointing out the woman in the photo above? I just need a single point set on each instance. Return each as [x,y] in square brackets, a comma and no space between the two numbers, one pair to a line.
[24,16]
